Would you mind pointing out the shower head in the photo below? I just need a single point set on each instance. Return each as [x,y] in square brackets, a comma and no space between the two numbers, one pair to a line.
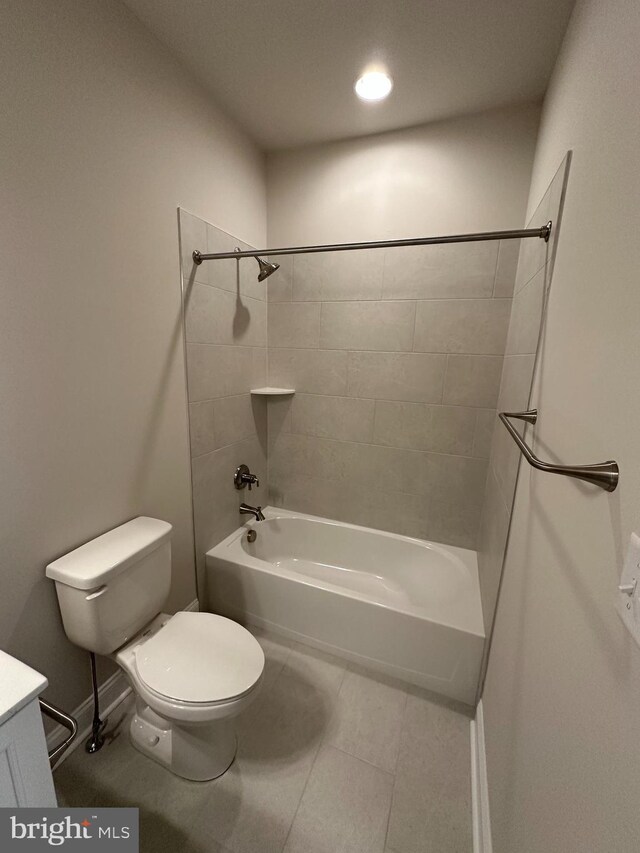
[266,268]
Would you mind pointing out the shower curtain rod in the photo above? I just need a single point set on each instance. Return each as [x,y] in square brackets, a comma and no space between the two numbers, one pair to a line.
[543,233]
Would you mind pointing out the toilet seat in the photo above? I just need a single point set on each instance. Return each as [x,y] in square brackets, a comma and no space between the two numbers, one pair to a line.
[199,659]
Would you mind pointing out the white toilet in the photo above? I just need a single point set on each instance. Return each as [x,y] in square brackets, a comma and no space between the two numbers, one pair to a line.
[192,673]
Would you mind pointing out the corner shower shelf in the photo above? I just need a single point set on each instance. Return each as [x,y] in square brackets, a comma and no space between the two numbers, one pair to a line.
[272,392]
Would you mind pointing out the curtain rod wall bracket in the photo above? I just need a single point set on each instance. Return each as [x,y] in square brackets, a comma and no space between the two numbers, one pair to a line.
[544,232]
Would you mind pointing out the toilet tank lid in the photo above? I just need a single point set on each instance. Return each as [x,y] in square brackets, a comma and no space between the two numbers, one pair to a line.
[99,560]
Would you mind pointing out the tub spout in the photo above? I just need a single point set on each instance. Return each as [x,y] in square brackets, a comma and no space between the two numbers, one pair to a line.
[256,511]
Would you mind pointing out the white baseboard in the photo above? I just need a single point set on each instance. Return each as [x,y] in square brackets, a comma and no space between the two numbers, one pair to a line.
[479,786]
[112,693]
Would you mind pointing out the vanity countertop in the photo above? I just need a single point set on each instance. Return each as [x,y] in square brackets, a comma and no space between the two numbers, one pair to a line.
[19,684]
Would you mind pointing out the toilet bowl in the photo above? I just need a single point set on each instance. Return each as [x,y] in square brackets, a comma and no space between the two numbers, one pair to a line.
[191,673]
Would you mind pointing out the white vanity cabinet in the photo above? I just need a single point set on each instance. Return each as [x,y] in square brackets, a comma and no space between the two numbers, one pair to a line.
[25,775]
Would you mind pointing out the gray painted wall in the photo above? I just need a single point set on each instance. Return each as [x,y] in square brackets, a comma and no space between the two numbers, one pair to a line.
[562,693]
[103,135]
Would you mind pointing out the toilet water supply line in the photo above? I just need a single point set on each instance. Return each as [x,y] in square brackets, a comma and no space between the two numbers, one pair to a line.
[95,741]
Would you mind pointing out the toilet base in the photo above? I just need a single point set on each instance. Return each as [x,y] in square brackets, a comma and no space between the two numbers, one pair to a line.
[199,752]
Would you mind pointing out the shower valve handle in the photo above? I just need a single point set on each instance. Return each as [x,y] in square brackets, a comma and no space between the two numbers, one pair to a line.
[243,477]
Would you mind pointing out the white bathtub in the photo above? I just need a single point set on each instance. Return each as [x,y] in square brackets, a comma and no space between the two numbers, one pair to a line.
[402,606]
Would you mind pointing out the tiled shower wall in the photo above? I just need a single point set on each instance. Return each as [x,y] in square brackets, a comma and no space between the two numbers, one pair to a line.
[396,357]
[535,266]
[225,316]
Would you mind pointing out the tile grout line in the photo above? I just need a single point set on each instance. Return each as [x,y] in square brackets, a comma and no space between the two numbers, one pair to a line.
[348,372]
[382,399]
[348,349]
[370,677]
[372,443]
[387,446]
[475,436]
[378,399]
[306,782]
[320,323]
[444,378]
[358,758]
[401,300]
[526,282]
[495,272]
[235,292]
[395,773]
[351,349]
[265,693]
[415,320]
[313,764]
[347,301]
[253,437]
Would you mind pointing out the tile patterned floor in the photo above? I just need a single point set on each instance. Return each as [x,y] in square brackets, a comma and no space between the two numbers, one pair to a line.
[332,759]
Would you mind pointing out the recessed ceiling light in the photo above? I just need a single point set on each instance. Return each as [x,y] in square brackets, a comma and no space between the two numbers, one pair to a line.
[374,86]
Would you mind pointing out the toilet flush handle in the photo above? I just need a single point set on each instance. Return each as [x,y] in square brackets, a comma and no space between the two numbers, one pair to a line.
[96,593]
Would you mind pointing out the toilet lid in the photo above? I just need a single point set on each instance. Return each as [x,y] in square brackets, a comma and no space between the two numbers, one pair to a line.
[200,657]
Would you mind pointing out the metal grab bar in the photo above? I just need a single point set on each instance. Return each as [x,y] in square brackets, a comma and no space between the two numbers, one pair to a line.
[604,474]
[65,720]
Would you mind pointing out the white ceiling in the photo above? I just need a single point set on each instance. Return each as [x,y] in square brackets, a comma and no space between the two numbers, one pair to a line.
[285,69]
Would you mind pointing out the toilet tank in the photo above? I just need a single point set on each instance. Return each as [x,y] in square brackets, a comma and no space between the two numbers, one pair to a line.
[111,587]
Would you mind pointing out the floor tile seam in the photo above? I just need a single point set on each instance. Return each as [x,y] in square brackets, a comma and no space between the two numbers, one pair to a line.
[270,688]
[401,732]
[393,798]
[286,656]
[426,815]
[317,749]
[302,793]
[386,829]
[281,668]
[344,674]
[447,776]
[404,730]
[219,845]
[434,743]
[206,803]
[125,769]
[403,725]
[338,662]
[359,758]
[324,740]
[327,742]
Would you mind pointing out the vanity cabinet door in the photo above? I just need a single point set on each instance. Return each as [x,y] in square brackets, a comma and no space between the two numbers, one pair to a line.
[25,775]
